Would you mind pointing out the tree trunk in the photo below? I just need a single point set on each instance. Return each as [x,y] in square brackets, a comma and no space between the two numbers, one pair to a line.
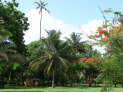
[122,84]
[115,84]
[53,80]
[40,24]
[9,78]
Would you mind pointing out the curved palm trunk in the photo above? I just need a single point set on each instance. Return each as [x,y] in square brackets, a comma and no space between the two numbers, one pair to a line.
[40,24]
[53,80]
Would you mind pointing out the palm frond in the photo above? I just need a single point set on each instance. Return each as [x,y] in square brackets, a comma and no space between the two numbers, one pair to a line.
[38,4]
[46,9]
[64,62]
[41,5]
[50,66]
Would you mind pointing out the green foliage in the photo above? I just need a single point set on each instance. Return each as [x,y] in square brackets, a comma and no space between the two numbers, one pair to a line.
[15,22]
[75,43]
[112,65]
[34,50]
[51,57]
[10,60]
[55,57]
[4,34]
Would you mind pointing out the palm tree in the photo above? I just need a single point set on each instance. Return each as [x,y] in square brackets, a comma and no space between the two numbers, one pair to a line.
[75,43]
[41,5]
[53,60]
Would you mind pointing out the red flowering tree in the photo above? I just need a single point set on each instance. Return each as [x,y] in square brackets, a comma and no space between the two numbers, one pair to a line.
[110,35]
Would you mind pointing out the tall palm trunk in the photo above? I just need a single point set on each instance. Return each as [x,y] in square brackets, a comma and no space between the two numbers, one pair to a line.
[40,23]
[53,80]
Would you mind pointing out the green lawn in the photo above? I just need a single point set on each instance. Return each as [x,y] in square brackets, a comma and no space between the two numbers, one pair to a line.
[59,89]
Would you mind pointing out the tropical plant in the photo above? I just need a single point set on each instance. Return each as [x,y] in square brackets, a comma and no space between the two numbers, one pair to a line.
[110,36]
[75,43]
[53,59]
[41,6]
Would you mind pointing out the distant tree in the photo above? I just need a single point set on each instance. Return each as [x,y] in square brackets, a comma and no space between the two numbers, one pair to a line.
[41,6]
[75,43]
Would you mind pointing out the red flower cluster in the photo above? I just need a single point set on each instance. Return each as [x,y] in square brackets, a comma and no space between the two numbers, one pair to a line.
[102,31]
[103,34]
[87,60]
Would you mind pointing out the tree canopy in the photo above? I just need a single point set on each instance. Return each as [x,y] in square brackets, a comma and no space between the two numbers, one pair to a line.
[14,21]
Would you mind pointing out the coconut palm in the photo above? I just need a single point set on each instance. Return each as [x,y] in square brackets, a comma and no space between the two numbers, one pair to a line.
[75,43]
[54,59]
[41,6]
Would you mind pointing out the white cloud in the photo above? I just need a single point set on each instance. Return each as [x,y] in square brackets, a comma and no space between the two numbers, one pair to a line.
[49,22]
[90,28]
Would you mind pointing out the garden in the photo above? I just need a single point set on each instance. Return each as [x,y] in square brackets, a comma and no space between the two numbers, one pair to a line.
[52,64]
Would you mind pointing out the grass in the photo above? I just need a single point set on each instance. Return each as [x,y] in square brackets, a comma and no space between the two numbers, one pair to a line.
[59,89]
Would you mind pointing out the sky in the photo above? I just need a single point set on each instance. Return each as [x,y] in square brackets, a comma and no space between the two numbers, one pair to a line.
[80,16]
[74,11]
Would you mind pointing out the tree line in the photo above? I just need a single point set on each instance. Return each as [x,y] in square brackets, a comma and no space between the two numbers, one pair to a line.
[52,61]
